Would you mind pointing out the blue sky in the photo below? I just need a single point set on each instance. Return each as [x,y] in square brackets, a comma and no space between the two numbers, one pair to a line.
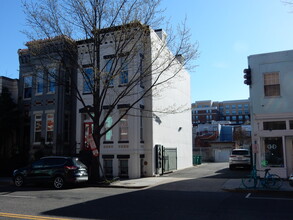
[227,32]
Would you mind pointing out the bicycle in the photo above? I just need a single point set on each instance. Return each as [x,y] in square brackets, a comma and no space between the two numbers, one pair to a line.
[270,181]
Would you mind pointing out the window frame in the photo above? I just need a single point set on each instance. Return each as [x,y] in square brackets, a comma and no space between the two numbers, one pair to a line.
[123,168]
[273,153]
[27,90]
[50,127]
[38,128]
[88,80]
[109,73]
[110,132]
[124,71]
[108,169]
[272,86]
[123,126]
[51,80]
[39,81]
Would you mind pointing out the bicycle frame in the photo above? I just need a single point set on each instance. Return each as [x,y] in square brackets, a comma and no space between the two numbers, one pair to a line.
[272,181]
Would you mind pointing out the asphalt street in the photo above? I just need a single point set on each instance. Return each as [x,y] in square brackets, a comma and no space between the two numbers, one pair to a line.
[197,194]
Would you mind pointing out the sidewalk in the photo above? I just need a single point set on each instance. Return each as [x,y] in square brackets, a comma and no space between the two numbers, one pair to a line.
[231,185]
[129,183]
[235,185]
[144,182]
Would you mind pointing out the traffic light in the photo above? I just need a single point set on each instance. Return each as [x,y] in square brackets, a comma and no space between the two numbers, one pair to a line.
[247,76]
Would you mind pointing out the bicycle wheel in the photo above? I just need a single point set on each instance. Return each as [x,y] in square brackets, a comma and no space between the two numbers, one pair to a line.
[249,183]
[273,181]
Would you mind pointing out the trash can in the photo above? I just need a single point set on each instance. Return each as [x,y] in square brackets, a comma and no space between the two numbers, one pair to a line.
[196,159]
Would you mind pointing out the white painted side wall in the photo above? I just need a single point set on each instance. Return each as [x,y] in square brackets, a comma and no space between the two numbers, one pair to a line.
[175,129]
[281,62]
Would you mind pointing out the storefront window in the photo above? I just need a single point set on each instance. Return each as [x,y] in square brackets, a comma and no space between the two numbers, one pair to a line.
[273,152]
[291,124]
[274,125]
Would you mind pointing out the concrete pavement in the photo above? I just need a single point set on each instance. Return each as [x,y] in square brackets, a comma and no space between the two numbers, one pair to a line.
[232,185]
[237,186]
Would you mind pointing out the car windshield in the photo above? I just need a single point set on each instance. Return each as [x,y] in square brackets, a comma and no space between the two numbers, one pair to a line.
[240,152]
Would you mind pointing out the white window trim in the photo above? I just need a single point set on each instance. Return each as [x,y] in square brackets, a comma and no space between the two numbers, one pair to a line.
[37,113]
[46,135]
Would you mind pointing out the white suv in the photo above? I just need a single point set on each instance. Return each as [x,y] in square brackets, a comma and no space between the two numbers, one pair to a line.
[240,158]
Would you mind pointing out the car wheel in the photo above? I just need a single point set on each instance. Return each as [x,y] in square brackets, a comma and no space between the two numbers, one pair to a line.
[58,182]
[19,181]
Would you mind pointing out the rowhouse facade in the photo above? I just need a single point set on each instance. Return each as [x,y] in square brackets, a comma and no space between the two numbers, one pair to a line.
[130,149]
[47,106]
[146,141]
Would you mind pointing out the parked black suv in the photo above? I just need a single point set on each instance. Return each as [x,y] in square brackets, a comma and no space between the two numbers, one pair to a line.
[53,169]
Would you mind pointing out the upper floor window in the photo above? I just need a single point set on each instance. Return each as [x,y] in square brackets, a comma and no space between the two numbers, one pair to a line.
[88,76]
[233,112]
[271,84]
[227,106]
[108,124]
[39,82]
[239,106]
[28,82]
[109,72]
[246,106]
[233,106]
[124,71]
[227,112]
[52,80]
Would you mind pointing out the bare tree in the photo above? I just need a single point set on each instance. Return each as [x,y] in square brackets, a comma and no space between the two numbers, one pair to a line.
[241,136]
[123,29]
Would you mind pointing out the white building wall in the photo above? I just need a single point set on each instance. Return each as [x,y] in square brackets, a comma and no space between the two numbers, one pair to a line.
[175,129]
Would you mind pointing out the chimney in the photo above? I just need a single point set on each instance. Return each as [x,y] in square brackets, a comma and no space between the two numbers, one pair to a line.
[180,58]
[162,34]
